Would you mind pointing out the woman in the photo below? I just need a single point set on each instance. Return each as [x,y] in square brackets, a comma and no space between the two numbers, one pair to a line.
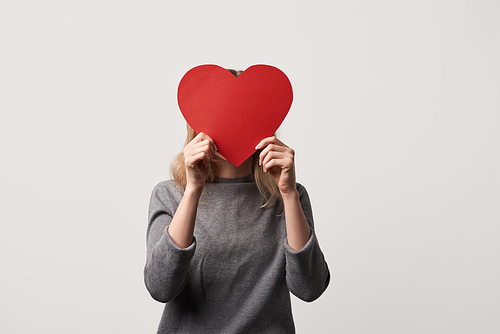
[226,245]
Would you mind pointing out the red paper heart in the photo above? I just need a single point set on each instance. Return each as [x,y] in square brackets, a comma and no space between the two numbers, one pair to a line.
[236,112]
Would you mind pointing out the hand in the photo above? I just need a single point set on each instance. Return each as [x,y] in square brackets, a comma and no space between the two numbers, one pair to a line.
[278,160]
[198,155]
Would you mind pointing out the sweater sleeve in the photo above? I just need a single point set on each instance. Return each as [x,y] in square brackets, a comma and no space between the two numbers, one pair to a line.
[167,265]
[307,273]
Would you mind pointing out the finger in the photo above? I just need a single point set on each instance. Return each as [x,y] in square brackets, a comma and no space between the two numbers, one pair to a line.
[195,159]
[203,136]
[269,140]
[274,148]
[191,154]
[197,139]
[213,146]
[280,163]
[205,144]
[206,149]
[273,155]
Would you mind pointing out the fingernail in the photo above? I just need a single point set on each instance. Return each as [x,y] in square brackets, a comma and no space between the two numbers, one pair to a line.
[216,147]
[257,147]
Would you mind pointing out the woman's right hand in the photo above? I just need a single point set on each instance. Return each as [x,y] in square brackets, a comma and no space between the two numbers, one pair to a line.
[198,155]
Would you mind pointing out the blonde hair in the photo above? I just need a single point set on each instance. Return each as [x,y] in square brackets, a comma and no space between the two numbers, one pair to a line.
[265,183]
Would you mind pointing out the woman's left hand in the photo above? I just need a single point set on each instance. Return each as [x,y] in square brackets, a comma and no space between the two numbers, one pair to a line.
[278,160]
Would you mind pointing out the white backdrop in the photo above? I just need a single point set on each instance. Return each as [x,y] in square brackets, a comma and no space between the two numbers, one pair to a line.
[395,123]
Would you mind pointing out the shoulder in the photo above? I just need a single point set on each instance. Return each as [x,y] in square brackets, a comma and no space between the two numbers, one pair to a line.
[167,184]
[167,192]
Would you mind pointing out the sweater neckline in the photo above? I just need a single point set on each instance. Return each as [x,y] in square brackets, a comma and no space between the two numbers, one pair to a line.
[243,179]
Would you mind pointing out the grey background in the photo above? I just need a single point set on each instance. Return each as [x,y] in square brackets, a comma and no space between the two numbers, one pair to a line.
[395,123]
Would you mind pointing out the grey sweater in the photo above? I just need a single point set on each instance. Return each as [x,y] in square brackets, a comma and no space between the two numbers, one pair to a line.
[237,275]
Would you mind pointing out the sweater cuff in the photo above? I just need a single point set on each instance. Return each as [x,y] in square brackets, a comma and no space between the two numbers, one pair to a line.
[306,262]
[177,254]
[307,273]
[306,249]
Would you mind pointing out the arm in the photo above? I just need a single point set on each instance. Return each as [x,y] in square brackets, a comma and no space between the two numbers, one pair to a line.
[279,160]
[170,240]
[198,155]
[307,273]
[297,230]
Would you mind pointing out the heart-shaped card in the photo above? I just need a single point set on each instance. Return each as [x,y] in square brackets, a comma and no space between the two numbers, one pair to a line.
[236,112]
